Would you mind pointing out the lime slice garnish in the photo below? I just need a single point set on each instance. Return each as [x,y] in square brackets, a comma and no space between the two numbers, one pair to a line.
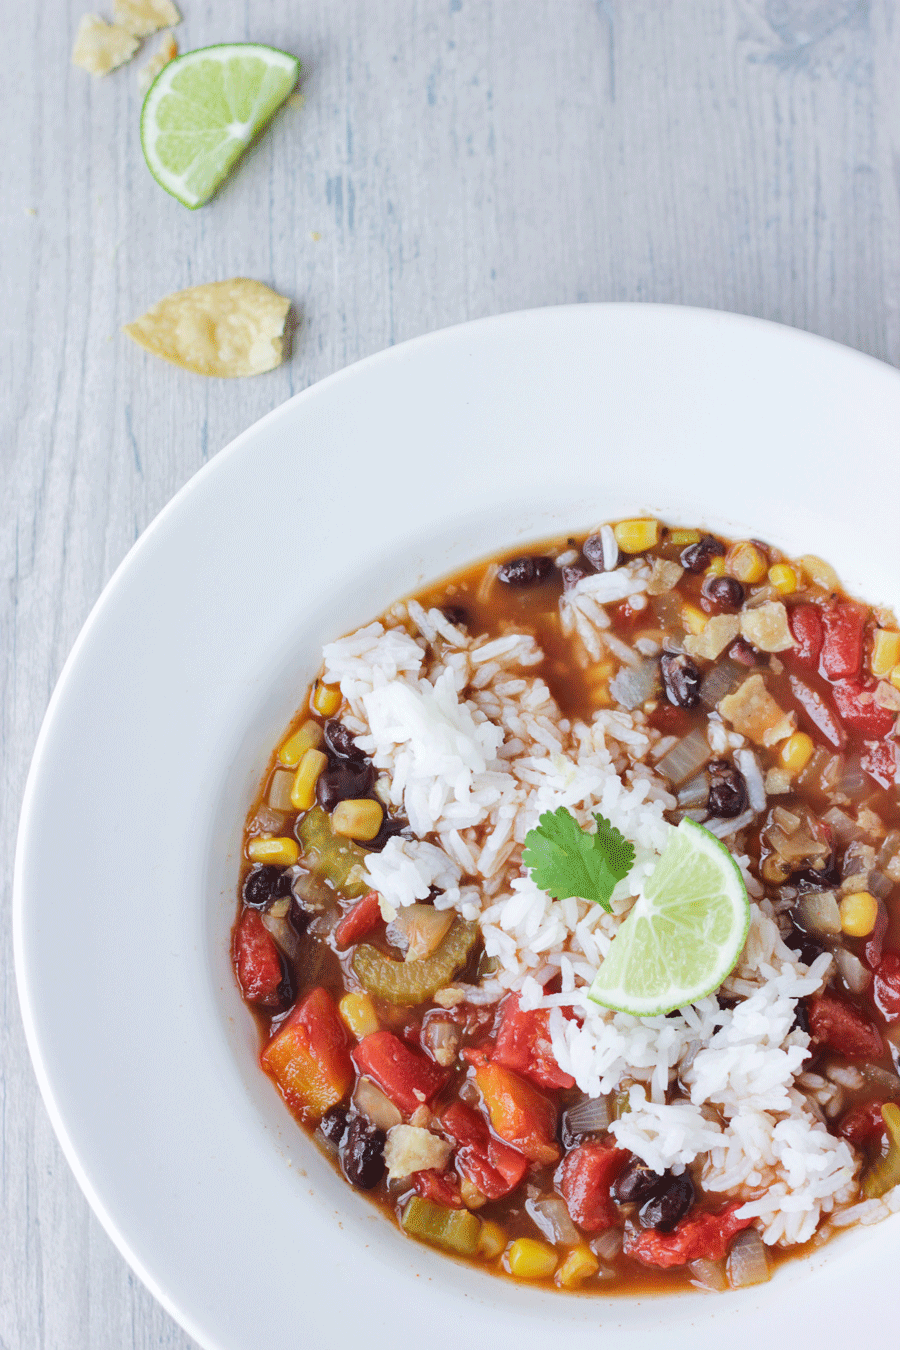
[204,109]
[685,932]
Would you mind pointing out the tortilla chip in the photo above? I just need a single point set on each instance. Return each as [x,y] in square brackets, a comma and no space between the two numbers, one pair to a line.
[143,17]
[165,52]
[100,46]
[225,328]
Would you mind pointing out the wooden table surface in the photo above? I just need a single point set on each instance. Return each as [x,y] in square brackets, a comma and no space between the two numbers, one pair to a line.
[451,159]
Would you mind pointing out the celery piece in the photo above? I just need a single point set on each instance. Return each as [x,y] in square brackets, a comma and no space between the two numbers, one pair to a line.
[331,857]
[410,982]
[884,1174]
[456,1230]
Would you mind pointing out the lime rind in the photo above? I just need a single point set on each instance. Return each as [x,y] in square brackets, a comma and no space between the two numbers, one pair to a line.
[685,932]
[203,110]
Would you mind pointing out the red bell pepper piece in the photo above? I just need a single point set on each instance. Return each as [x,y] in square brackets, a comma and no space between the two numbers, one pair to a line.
[842,649]
[523,1045]
[409,1079]
[260,970]
[584,1180]
[855,700]
[886,987]
[519,1113]
[835,1022]
[863,1124]
[698,1237]
[819,712]
[879,761]
[492,1166]
[308,1057]
[806,628]
[442,1187]
[358,921]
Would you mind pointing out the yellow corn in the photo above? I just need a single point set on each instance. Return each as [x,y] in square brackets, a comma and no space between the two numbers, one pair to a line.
[472,1198]
[600,695]
[635,536]
[492,1240]
[681,538]
[745,562]
[579,1265]
[858,914]
[282,852]
[326,699]
[783,578]
[716,567]
[796,752]
[894,677]
[358,818]
[303,793]
[885,652]
[531,1260]
[693,619]
[358,1014]
[309,737]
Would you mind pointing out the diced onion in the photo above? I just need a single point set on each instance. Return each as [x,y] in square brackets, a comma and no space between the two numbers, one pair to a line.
[748,1261]
[695,792]
[853,972]
[709,1275]
[607,1245]
[756,788]
[552,1218]
[588,1116]
[686,758]
[723,679]
[378,1109]
[721,827]
[819,913]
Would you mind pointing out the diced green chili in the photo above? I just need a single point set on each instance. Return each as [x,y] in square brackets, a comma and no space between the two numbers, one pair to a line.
[884,1173]
[410,982]
[338,861]
[456,1230]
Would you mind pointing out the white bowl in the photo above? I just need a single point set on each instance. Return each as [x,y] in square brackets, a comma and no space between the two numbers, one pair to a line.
[353,493]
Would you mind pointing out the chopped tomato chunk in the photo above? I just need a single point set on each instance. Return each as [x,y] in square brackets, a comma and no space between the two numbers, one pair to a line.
[886,987]
[875,940]
[806,627]
[523,1045]
[308,1056]
[863,1124]
[698,1237]
[856,704]
[584,1180]
[409,1079]
[358,921]
[842,648]
[494,1167]
[260,970]
[442,1187]
[519,1113]
[838,1024]
[879,761]
[819,712]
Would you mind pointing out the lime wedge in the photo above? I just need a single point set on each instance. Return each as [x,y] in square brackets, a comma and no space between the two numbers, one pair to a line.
[203,110]
[684,934]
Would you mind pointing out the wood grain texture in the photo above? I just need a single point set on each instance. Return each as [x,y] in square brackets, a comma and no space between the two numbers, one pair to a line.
[453,158]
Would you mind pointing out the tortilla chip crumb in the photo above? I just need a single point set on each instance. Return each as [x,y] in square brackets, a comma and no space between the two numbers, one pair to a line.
[165,52]
[225,328]
[143,17]
[100,46]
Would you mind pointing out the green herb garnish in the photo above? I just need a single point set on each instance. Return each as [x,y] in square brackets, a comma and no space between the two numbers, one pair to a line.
[566,861]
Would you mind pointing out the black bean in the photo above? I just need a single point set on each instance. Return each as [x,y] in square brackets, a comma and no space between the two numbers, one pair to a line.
[636,1182]
[362,1154]
[333,1124]
[456,615]
[697,557]
[593,551]
[389,827]
[727,789]
[801,1017]
[571,577]
[724,593]
[525,571]
[340,742]
[806,947]
[663,1211]
[741,651]
[822,879]
[265,884]
[345,780]
[681,680]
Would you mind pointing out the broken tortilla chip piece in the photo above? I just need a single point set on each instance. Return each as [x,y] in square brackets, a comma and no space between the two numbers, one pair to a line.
[165,52]
[143,17]
[100,46]
[225,328]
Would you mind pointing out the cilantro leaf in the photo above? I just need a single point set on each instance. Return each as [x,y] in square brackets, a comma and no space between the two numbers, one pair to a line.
[566,861]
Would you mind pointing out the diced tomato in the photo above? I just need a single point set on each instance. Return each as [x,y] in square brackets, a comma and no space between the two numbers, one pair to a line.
[856,704]
[819,712]
[863,1124]
[442,1187]
[308,1056]
[519,1113]
[886,987]
[409,1079]
[494,1167]
[260,970]
[838,1024]
[523,1044]
[842,649]
[875,940]
[358,921]
[668,719]
[879,761]
[584,1180]
[700,1237]
[806,627]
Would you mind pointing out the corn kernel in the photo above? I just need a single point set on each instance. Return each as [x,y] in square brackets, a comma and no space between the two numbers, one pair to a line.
[681,538]
[797,751]
[894,677]
[303,793]
[282,852]
[858,914]
[326,699]
[745,562]
[529,1259]
[309,737]
[635,536]
[579,1265]
[885,652]
[600,695]
[492,1240]
[783,578]
[473,1198]
[358,818]
[716,567]
[358,1015]
[693,619]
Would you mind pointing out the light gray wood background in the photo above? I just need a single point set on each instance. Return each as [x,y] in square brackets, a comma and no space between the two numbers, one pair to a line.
[453,158]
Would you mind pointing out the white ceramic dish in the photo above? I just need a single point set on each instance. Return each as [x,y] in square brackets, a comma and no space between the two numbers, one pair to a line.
[394,471]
